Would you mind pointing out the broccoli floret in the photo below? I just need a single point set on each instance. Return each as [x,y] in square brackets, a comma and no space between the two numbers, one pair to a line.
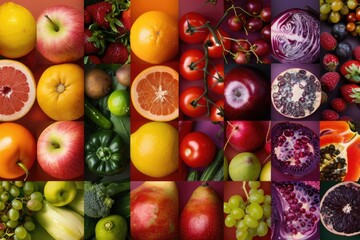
[97,197]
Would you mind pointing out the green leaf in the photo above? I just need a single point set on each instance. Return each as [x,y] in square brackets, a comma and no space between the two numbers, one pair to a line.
[122,127]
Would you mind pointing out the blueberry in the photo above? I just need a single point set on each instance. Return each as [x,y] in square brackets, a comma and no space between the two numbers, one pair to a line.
[339,31]
[343,50]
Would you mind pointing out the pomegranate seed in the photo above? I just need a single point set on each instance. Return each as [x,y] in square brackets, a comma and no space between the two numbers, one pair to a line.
[312,209]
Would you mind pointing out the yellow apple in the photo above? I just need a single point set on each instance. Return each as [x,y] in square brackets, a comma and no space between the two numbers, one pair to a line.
[60,193]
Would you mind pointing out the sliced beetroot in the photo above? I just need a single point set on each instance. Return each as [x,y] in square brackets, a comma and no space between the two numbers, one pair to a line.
[296,93]
[295,149]
[295,210]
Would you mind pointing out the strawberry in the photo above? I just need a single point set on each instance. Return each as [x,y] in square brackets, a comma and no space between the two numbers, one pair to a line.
[87,18]
[338,104]
[351,71]
[351,93]
[94,42]
[330,115]
[356,53]
[104,14]
[330,62]
[330,80]
[115,53]
[327,41]
[126,19]
[92,59]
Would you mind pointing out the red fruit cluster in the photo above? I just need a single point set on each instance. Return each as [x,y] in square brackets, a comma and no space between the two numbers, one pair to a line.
[106,32]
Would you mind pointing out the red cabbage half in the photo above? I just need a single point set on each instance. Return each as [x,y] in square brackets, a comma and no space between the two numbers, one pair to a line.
[295,36]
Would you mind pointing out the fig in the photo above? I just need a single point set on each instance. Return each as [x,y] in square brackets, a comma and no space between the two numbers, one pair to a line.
[244,166]
[295,210]
[340,209]
[295,149]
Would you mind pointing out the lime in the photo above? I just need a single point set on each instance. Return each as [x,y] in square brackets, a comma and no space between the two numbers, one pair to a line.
[119,102]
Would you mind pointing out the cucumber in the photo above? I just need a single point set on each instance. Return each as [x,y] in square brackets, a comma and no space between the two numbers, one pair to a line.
[219,175]
[96,116]
[193,175]
[210,171]
[121,205]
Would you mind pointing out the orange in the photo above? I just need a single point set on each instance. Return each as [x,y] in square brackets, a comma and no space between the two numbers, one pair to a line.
[17,150]
[154,37]
[17,90]
[60,92]
[155,93]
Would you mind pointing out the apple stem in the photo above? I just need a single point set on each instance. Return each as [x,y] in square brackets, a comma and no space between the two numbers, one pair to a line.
[204,184]
[56,27]
[56,145]
[22,165]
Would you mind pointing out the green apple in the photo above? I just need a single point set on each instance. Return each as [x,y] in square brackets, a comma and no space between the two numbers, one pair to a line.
[60,193]
[244,166]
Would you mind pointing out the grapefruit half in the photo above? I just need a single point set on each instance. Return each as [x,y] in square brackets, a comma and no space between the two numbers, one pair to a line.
[17,90]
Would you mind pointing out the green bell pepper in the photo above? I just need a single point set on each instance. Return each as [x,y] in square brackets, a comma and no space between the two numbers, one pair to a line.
[105,153]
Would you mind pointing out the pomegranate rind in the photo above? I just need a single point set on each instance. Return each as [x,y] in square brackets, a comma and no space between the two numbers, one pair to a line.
[30,80]
[323,218]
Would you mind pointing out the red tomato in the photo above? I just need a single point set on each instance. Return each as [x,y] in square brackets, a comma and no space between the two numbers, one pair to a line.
[187,97]
[217,111]
[187,28]
[197,149]
[215,79]
[192,64]
[217,50]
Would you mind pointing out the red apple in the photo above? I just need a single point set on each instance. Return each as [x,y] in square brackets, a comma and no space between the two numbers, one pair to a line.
[60,34]
[60,149]
[245,136]
[154,210]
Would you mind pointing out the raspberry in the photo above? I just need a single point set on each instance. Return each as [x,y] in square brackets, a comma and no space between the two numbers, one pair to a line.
[327,41]
[329,114]
[338,104]
[330,80]
[356,53]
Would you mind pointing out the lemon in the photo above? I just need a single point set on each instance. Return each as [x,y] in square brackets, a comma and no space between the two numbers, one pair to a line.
[154,149]
[17,30]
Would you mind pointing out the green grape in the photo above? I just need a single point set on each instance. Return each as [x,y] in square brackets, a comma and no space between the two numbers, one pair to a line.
[36,195]
[3,238]
[28,188]
[234,201]
[337,5]
[256,198]
[4,218]
[230,221]
[268,222]
[2,232]
[252,232]
[267,210]
[227,208]
[29,226]
[34,205]
[14,214]
[252,191]
[4,196]
[250,221]
[351,4]
[241,234]
[262,229]
[261,191]
[267,199]
[238,213]
[17,204]
[2,205]
[254,184]
[241,225]
[325,9]
[357,29]
[334,17]
[330,1]
[255,211]
[14,191]
[344,10]
[20,232]
[19,184]
[11,224]
[6,185]
[324,17]
[242,205]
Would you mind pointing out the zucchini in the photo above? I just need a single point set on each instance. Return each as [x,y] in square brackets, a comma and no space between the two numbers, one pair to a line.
[96,116]
[219,175]
[193,175]
[122,205]
[210,171]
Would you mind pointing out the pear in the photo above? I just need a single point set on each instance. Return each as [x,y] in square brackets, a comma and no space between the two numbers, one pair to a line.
[202,216]
[154,211]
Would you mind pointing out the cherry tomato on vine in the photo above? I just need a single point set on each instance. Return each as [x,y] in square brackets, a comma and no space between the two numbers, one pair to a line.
[236,23]
[189,30]
[217,111]
[197,149]
[217,50]
[191,64]
[215,79]
[186,99]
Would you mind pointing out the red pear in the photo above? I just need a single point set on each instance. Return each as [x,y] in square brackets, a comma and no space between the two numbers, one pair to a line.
[202,216]
[154,211]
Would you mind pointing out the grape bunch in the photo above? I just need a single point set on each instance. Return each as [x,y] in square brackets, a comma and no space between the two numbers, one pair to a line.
[347,11]
[18,201]
[251,217]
